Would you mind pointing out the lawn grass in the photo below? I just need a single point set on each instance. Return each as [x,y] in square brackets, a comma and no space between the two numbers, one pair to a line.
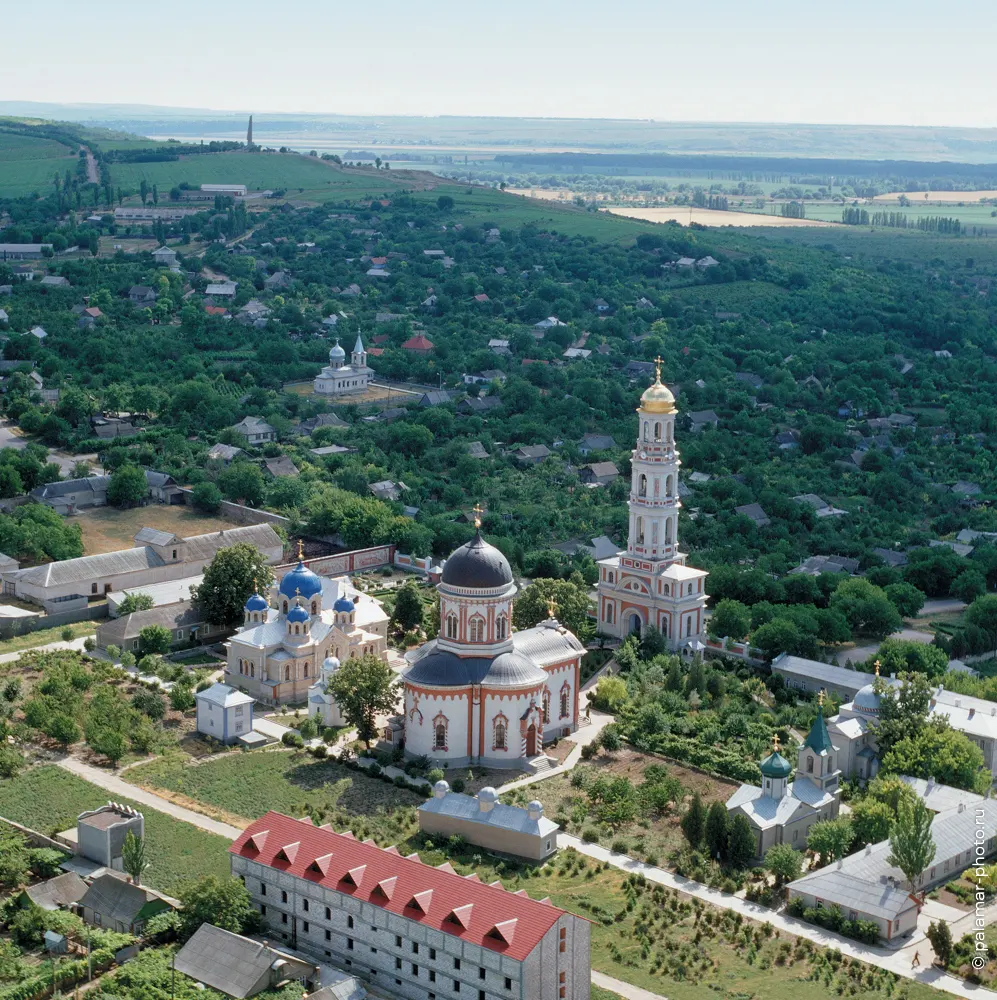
[32,640]
[108,529]
[291,782]
[49,799]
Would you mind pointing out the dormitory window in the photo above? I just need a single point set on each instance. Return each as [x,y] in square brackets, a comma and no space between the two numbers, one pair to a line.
[456,963]
[304,926]
[283,895]
[349,922]
[328,935]
[481,973]
[283,918]
[263,888]
[328,913]
[304,905]
[508,983]
[432,954]
[398,940]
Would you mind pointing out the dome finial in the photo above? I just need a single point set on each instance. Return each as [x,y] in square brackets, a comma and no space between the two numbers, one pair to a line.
[658,362]
[301,550]
[821,695]
[877,665]
[551,606]
[478,511]
[775,743]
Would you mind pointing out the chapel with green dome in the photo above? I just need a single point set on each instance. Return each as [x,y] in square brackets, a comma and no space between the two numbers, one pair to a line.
[781,811]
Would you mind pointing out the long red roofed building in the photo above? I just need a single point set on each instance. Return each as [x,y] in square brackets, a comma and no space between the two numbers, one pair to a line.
[407,928]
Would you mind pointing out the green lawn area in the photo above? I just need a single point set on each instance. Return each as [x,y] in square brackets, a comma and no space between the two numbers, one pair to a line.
[291,782]
[28,164]
[32,640]
[49,799]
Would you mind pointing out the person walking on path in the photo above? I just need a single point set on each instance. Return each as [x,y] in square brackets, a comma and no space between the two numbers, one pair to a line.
[917,960]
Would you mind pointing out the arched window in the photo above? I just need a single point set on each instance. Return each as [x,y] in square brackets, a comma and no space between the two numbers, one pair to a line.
[297,630]
[252,669]
[642,486]
[668,486]
[477,629]
[306,668]
[657,486]
[451,626]
[501,627]
[287,673]
[500,739]
[645,430]
[668,531]
[314,607]
[657,432]
[440,726]
[810,765]
[640,531]
[285,607]
[546,706]
[564,703]
[654,532]
[610,613]
[240,665]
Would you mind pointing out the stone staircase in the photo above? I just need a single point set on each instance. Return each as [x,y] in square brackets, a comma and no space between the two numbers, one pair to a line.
[542,764]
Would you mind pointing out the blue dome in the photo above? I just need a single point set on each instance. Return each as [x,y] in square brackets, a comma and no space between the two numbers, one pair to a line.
[302,579]
[344,604]
[297,614]
[256,602]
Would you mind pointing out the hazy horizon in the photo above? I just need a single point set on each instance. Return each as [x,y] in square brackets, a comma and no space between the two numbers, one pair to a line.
[875,65]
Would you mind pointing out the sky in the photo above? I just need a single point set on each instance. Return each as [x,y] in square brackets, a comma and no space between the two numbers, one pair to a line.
[891,62]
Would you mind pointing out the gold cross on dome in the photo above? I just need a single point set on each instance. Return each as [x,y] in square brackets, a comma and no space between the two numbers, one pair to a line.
[821,695]
[775,743]
[877,665]
[551,606]
[658,362]
[301,550]
[478,511]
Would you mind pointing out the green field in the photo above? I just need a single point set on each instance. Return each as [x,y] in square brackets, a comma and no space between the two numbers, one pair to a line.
[258,171]
[49,799]
[248,785]
[28,164]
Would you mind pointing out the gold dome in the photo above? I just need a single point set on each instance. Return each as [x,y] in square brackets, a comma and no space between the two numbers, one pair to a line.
[657,398]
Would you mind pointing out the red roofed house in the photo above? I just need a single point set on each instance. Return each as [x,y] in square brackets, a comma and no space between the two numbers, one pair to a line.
[412,930]
[378,261]
[375,352]
[419,344]
[481,298]
[216,310]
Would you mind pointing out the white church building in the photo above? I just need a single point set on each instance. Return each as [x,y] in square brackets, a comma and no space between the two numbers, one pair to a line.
[650,584]
[342,379]
[480,693]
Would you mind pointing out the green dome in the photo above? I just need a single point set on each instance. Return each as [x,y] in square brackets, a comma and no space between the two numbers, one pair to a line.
[776,766]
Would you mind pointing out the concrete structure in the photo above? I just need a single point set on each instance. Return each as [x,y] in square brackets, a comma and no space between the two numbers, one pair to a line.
[100,833]
[485,822]
[341,379]
[115,904]
[238,966]
[479,692]
[161,594]
[224,713]
[165,257]
[414,931]
[782,811]
[308,619]
[864,886]
[98,575]
[650,584]
[232,190]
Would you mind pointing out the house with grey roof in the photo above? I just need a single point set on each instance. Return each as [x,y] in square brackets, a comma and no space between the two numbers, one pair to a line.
[865,886]
[321,420]
[224,712]
[479,405]
[598,473]
[72,495]
[531,454]
[815,565]
[59,893]
[280,466]
[596,442]
[819,506]
[184,621]
[477,450]
[256,431]
[387,489]
[754,512]
[239,966]
[223,453]
[142,295]
[486,822]
[114,903]
[699,420]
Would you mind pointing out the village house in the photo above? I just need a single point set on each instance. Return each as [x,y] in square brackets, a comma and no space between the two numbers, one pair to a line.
[114,903]
[387,489]
[754,512]
[701,419]
[223,453]
[312,424]
[55,281]
[256,431]
[531,454]
[100,833]
[598,473]
[479,405]
[221,289]
[24,251]
[164,257]
[142,295]
[419,344]
[280,466]
[183,620]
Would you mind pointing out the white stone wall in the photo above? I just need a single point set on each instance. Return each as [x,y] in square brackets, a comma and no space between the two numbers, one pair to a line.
[422,709]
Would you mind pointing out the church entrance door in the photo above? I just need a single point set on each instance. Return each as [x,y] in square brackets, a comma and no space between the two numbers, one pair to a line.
[635,625]
[531,741]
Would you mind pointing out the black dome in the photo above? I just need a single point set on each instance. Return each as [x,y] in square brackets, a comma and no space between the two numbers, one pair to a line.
[478,566]
[442,668]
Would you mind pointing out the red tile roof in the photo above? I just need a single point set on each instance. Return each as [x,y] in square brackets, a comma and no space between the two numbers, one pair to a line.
[215,310]
[375,351]
[418,343]
[487,915]
[381,338]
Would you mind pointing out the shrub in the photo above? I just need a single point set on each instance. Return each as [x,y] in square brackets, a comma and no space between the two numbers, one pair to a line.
[319,751]
[67,634]
[591,835]
[89,643]
[589,750]
[292,740]
[329,735]
[434,774]
[458,784]
[374,769]
[620,846]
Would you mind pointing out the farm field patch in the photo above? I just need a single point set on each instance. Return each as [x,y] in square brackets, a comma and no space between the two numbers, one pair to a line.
[108,529]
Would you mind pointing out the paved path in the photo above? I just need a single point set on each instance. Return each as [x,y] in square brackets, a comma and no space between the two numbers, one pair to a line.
[624,989]
[898,962]
[122,789]
[862,653]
